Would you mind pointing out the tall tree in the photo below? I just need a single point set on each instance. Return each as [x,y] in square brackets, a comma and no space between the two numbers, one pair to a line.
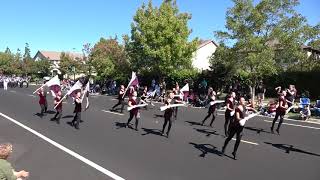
[8,51]
[69,65]
[109,59]
[263,36]
[6,61]
[159,44]
[26,55]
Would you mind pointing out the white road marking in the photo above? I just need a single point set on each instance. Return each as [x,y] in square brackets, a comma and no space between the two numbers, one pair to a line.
[72,153]
[310,127]
[31,95]
[112,112]
[13,91]
[248,142]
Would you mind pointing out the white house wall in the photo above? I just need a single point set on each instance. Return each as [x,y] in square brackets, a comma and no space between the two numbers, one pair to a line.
[201,58]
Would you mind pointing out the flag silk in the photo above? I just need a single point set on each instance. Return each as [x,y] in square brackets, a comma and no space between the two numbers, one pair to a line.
[134,80]
[75,89]
[185,88]
[55,88]
[86,93]
[184,91]
[54,81]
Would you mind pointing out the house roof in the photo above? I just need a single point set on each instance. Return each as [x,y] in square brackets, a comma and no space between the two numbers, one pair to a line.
[204,43]
[54,55]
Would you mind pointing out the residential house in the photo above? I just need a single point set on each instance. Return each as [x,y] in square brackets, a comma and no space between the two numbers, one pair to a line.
[201,57]
[54,58]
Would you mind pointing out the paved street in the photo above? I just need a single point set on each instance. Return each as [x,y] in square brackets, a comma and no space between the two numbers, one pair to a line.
[103,146]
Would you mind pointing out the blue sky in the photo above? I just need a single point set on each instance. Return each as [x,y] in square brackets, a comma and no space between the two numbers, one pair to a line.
[65,25]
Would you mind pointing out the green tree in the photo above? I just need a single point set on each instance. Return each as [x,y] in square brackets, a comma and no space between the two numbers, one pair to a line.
[6,61]
[109,59]
[26,55]
[264,38]
[8,51]
[223,66]
[159,44]
[69,65]
[42,67]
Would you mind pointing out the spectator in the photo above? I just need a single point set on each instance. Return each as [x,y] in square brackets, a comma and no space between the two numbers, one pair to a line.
[261,90]
[291,95]
[6,170]
[272,107]
[153,84]
[305,113]
[317,108]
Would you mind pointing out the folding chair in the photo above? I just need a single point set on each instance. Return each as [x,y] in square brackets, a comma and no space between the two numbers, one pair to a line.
[304,102]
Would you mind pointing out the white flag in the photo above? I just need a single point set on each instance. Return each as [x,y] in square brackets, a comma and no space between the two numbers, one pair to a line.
[185,88]
[55,81]
[74,89]
[86,93]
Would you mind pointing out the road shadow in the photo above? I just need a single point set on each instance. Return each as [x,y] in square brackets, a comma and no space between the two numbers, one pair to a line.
[158,115]
[288,148]
[39,115]
[50,112]
[205,149]
[67,116]
[151,131]
[207,132]
[193,123]
[257,130]
[120,125]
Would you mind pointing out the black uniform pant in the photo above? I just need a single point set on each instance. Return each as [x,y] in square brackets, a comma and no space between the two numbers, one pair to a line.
[210,112]
[167,119]
[227,123]
[46,106]
[234,129]
[58,115]
[120,102]
[76,119]
[43,107]
[175,112]
[132,114]
[278,114]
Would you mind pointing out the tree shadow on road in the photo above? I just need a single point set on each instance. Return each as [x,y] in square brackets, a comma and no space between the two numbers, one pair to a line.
[288,148]
[207,132]
[258,130]
[151,131]
[205,149]
[193,123]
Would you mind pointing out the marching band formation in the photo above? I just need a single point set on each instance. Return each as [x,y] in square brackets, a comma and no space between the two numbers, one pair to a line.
[236,113]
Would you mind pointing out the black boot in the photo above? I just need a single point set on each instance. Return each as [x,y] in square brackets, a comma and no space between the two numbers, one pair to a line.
[234,155]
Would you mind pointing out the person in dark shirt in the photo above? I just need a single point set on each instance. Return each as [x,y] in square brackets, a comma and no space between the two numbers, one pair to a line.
[211,110]
[58,105]
[135,111]
[235,127]
[230,103]
[281,111]
[168,114]
[77,110]
[120,99]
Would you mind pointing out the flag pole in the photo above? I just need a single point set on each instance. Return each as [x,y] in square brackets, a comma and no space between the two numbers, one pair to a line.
[38,88]
[60,101]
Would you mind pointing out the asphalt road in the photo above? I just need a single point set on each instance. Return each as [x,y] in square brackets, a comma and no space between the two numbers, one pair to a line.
[103,145]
